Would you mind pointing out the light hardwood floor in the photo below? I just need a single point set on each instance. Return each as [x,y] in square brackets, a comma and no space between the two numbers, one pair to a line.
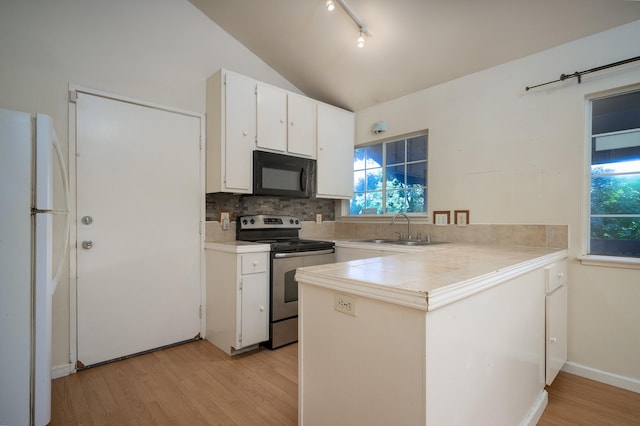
[197,384]
[574,400]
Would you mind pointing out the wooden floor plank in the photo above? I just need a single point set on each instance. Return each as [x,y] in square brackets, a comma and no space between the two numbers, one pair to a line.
[575,400]
[198,384]
[190,384]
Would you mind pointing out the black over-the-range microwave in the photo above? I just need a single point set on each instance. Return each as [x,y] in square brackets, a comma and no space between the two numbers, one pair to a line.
[283,175]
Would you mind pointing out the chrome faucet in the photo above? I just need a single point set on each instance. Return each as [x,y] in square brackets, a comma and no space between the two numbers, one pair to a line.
[408,224]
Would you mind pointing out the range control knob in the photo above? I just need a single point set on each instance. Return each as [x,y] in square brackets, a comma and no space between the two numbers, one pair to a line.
[244,221]
[252,221]
[297,221]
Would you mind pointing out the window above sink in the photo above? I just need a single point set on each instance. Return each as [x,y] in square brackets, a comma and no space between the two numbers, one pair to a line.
[390,177]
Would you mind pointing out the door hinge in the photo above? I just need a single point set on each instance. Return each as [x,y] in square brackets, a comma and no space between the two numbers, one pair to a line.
[73,96]
[240,337]
[240,286]
[200,312]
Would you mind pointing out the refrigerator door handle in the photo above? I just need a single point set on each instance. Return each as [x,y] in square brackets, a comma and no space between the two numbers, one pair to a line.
[66,212]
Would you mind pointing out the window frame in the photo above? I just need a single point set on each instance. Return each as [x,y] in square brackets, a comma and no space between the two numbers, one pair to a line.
[587,258]
[419,217]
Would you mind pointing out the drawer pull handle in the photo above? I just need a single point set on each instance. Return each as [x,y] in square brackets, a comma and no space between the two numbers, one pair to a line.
[261,308]
[553,339]
[255,263]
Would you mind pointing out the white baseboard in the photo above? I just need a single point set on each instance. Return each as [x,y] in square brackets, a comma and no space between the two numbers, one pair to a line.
[537,409]
[612,379]
[58,371]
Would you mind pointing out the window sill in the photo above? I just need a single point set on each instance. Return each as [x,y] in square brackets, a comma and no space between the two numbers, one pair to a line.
[610,261]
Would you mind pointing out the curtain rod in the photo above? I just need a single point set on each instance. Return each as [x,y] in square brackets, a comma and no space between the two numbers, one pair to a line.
[579,74]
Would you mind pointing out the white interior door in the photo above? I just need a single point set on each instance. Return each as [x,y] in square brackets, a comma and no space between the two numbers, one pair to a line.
[139,205]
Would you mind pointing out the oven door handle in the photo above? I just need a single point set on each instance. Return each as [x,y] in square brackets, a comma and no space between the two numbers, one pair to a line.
[303,253]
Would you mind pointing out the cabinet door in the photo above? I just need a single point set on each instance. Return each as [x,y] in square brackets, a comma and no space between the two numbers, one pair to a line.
[271,118]
[336,133]
[556,332]
[254,306]
[240,131]
[301,139]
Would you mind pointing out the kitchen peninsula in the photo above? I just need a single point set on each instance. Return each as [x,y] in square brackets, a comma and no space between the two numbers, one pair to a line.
[452,334]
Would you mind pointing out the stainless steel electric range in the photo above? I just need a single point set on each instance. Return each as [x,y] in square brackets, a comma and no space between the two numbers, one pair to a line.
[288,252]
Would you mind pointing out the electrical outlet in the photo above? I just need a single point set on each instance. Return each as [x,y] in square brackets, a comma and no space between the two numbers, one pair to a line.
[225,220]
[345,304]
[319,218]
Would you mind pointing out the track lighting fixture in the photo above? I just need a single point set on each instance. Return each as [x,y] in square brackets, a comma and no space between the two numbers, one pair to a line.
[361,27]
[360,42]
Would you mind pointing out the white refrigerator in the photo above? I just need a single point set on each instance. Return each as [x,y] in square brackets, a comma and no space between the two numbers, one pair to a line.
[26,281]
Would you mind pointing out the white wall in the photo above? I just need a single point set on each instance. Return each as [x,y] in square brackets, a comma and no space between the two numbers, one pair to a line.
[516,157]
[159,51]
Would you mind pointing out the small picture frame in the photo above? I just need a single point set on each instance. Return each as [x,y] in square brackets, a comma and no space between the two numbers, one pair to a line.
[461,217]
[441,217]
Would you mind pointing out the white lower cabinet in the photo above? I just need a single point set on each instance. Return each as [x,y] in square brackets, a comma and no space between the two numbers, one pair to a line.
[476,360]
[237,299]
[556,319]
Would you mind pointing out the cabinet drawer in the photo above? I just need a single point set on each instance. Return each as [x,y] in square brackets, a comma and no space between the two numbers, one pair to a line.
[254,262]
[555,275]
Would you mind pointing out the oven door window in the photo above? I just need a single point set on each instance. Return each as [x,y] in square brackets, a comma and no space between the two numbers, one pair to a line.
[290,287]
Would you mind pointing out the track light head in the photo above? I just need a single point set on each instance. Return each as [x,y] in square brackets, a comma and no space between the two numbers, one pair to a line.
[360,42]
[331,5]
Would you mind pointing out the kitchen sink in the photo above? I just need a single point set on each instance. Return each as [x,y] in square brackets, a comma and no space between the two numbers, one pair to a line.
[417,243]
[376,240]
[402,242]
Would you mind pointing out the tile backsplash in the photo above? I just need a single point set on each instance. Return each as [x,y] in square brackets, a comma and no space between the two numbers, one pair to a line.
[553,236]
[239,205]
[556,236]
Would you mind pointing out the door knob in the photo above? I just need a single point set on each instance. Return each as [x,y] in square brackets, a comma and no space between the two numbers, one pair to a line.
[87,220]
[87,244]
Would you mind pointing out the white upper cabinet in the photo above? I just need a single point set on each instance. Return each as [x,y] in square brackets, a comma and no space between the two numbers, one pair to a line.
[271,118]
[231,132]
[286,122]
[301,126]
[244,115]
[336,135]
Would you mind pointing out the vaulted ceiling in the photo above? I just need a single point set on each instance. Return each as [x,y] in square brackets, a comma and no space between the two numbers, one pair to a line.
[414,44]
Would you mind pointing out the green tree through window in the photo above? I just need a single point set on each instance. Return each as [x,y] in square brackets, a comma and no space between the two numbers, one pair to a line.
[615,176]
[390,177]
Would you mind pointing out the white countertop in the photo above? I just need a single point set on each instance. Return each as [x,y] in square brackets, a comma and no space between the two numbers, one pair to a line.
[236,246]
[430,277]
